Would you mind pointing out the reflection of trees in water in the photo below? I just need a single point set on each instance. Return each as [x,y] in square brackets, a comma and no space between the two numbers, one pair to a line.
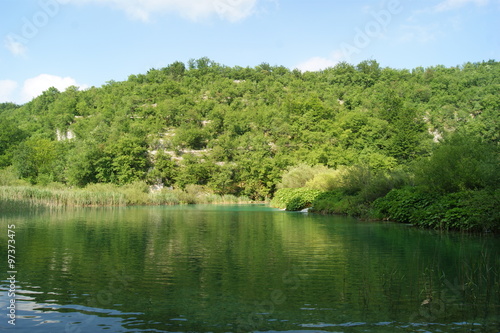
[207,265]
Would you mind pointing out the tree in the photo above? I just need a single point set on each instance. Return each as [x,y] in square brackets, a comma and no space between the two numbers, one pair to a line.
[35,157]
[82,165]
[164,170]
[193,171]
[176,70]
[10,137]
[122,161]
[460,163]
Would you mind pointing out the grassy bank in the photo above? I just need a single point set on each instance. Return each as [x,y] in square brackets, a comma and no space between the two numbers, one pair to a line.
[60,197]
[57,195]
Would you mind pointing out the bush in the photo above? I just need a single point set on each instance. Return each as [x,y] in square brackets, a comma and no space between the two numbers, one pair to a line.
[294,199]
[135,193]
[355,179]
[9,178]
[460,163]
[164,197]
[326,180]
[337,202]
[465,210]
[379,184]
[403,205]
[297,176]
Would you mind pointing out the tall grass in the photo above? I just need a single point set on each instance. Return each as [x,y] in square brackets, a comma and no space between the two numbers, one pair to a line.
[112,195]
[57,197]
[193,194]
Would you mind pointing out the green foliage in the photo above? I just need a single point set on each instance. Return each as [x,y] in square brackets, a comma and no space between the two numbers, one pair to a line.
[249,131]
[298,175]
[82,165]
[294,199]
[460,163]
[326,180]
[136,193]
[164,170]
[193,171]
[123,161]
[8,177]
[356,188]
[61,197]
[10,137]
[404,205]
[189,137]
[337,202]
[34,158]
[464,210]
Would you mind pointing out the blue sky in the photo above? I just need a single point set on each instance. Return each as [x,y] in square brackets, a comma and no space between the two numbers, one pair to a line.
[59,43]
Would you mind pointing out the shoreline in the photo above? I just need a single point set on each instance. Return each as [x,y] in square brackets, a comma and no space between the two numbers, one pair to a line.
[113,197]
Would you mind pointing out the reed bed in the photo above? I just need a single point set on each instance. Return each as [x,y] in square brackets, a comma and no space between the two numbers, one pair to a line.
[176,197]
[109,195]
[61,198]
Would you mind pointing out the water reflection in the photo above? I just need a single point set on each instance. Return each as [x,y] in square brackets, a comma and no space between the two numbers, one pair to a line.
[247,268]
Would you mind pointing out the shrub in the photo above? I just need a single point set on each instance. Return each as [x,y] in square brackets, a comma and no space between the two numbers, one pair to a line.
[164,197]
[326,180]
[294,199]
[337,202]
[403,205]
[296,203]
[460,163]
[379,184]
[9,178]
[135,193]
[464,210]
[297,176]
[355,178]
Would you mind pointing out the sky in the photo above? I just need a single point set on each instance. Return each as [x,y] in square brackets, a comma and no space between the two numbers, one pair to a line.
[60,43]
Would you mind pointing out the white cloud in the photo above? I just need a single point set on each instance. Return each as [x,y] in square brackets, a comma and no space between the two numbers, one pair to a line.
[34,87]
[15,46]
[231,10]
[319,63]
[315,64]
[11,91]
[447,5]
[421,33]
[7,90]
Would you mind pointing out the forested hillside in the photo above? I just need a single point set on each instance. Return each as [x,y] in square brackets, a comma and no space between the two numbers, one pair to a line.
[243,131]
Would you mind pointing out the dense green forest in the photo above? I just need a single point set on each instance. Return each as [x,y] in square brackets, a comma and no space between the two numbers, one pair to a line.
[418,146]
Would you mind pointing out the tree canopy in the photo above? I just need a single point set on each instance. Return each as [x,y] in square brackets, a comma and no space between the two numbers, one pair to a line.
[237,130]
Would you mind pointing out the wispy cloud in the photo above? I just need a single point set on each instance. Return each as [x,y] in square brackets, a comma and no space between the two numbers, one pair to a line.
[231,10]
[7,89]
[15,46]
[315,64]
[448,5]
[421,33]
[419,29]
[319,63]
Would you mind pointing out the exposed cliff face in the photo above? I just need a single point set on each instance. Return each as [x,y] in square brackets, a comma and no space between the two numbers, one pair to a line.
[68,135]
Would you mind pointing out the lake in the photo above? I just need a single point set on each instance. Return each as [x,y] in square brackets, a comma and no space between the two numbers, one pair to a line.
[245,268]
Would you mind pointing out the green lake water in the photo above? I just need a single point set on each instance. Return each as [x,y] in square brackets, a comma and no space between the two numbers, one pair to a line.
[242,269]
